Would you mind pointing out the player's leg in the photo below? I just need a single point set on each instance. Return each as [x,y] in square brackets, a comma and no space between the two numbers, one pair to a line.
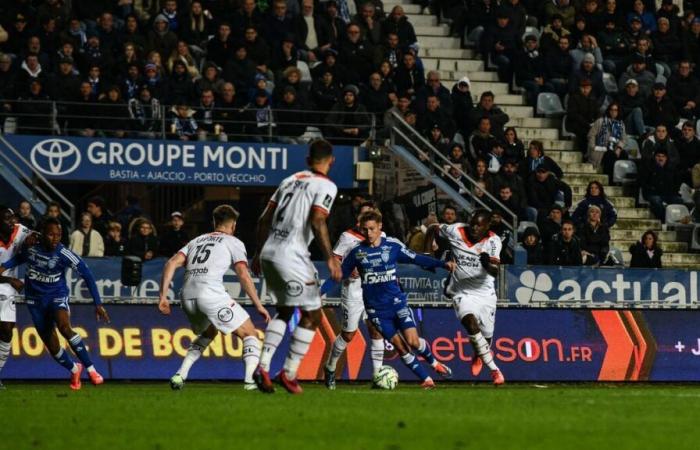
[409,332]
[194,352]
[5,344]
[410,360]
[352,314]
[277,327]
[62,319]
[251,351]
[42,316]
[481,345]
[299,345]
[376,348]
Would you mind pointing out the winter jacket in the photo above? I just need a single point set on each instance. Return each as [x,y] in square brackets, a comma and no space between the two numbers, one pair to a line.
[641,258]
[608,214]
[561,253]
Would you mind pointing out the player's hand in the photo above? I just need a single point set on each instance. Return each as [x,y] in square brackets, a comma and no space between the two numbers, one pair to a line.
[101,314]
[164,306]
[334,268]
[263,312]
[256,267]
[450,266]
[32,239]
[17,284]
[484,258]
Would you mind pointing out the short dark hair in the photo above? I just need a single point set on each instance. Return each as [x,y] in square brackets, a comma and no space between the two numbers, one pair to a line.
[486,94]
[97,201]
[371,215]
[368,204]
[223,214]
[569,221]
[452,207]
[49,221]
[481,214]
[319,150]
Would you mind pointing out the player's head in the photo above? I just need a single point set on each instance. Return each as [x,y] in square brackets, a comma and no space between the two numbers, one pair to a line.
[51,233]
[320,155]
[224,218]
[480,223]
[7,220]
[371,225]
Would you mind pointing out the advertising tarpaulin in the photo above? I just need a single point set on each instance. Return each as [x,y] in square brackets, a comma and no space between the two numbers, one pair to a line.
[181,162]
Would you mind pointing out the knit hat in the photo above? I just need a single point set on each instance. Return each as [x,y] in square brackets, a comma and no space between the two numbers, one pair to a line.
[588,57]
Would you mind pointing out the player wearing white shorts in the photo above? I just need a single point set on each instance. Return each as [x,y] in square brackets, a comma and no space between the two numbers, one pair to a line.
[295,215]
[471,287]
[353,307]
[208,306]
[12,236]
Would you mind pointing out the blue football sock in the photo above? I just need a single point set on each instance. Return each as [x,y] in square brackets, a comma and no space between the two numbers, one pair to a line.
[412,363]
[76,343]
[64,359]
[424,351]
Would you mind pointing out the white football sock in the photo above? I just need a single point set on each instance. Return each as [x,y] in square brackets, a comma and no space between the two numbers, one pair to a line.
[251,356]
[301,341]
[273,337]
[339,346]
[481,346]
[4,353]
[377,355]
[193,354]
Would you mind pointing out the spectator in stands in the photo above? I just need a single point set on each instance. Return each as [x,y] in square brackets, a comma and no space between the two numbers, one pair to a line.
[433,87]
[155,82]
[611,12]
[501,43]
[587,46]
[613,44]
[508,176]
[34,110]
[66,83]
[53,210]
[409,77]
[638,72]
[258,117]
[100,215]
[25,216]
[335,21]
[462,105]
[182,54]
[670,12]
[660,141]
[182,125]
[478,17]
[377,97]
[642,49]
[458,158]
[530,72]
[143,241]
[196,26]
[114,243]
[582,111]
[659,109]
[437,139]
[248,15]
[514,148]
[691,42]
[562,8]
[505,196]
[357,56]
[29,70]
[220,47]
[607,134]
[488,108]
[257,49]
[532,245]
[290,117]
[145,114]
[545,190]
[482,174]
[325,92]
[481,140]
[660,183]
[564,249]
[370,27]
[398,23]
[114,114]
[558,63]
[536,158]
[240,70]
[175,237]
[416,237]
[688,147]
[552,32]
[632,102]
[646,254]
[435,114]
[667,45]
[587,71]
[228,113]
[551,225]
[312,32]
[595,196]
[161,38]
[684,91]
[447,217]
[495,157]
[594,238]
[348,121]
[647,18]
[278,23]
[86,241]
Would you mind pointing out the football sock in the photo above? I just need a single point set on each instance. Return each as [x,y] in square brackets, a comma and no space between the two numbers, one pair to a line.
[339,346]
[4,353]
[76,343]
[412,363]
[377,355]
[481,347]
[273,337]
[251,356]
[193,354]
[424,351]
[301,340]
[65,360]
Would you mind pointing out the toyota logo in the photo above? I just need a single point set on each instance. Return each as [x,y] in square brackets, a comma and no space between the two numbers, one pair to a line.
[55,157]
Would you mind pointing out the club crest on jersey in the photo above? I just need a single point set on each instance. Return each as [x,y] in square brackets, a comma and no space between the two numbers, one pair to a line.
[52,263]
[225,314]
[294,288]
[386,256]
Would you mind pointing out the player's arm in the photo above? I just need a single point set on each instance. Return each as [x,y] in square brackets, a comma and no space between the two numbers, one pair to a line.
[347,268]
[490,259]
[408,256]
[86,274]
[248,286]
[13,262]
[178,260]
[430,235]
[323,240]
[263,230]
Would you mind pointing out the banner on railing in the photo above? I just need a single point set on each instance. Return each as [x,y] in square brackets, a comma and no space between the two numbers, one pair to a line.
[542,284]
[529,345]
[181,162]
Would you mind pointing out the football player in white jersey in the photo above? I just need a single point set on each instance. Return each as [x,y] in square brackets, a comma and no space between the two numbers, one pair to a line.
[471,287]
[295,215]
[12,236]
[353,307]
[208,306]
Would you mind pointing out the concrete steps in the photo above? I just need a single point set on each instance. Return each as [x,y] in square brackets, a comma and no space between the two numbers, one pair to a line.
[434,30]
[668,260]
[666,246]
[634,213]
[620,235]
[577,167]
[420,20]
[582,179]
[638,224]
[618,202]
[564,156]
[610,191]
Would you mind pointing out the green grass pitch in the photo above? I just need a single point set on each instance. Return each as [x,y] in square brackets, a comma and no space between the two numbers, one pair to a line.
[458,416]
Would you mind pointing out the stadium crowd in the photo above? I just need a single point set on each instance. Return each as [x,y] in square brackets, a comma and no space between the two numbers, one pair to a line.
[261,70]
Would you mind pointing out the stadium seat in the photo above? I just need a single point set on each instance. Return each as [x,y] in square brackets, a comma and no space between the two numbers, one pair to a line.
[632,147]
[564,132]
[305,72]
[549,105]
[675,214]
[641,201]
[459,139]
[522,226]
[625,172]
[609,83]
[695,239]
[614,258]
[686,194]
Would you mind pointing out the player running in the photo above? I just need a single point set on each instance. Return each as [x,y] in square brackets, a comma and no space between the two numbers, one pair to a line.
[353,307]
[208,306]
[471,287]
[376,260]
[12,236]
[295,215]
[47,297]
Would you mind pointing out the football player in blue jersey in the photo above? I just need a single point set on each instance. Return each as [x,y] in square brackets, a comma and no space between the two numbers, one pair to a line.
[46,294]
[376,259]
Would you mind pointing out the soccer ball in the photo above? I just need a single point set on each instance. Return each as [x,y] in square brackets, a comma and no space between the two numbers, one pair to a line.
[386,378]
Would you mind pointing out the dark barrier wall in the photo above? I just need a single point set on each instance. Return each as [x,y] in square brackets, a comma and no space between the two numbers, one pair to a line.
[530,345]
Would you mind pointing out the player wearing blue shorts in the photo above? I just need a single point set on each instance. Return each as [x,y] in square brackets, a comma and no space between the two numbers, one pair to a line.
[376,260]
[46,294]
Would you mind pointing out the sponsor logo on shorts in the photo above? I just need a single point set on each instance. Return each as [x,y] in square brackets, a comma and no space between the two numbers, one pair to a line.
[294,288]
[225,314]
